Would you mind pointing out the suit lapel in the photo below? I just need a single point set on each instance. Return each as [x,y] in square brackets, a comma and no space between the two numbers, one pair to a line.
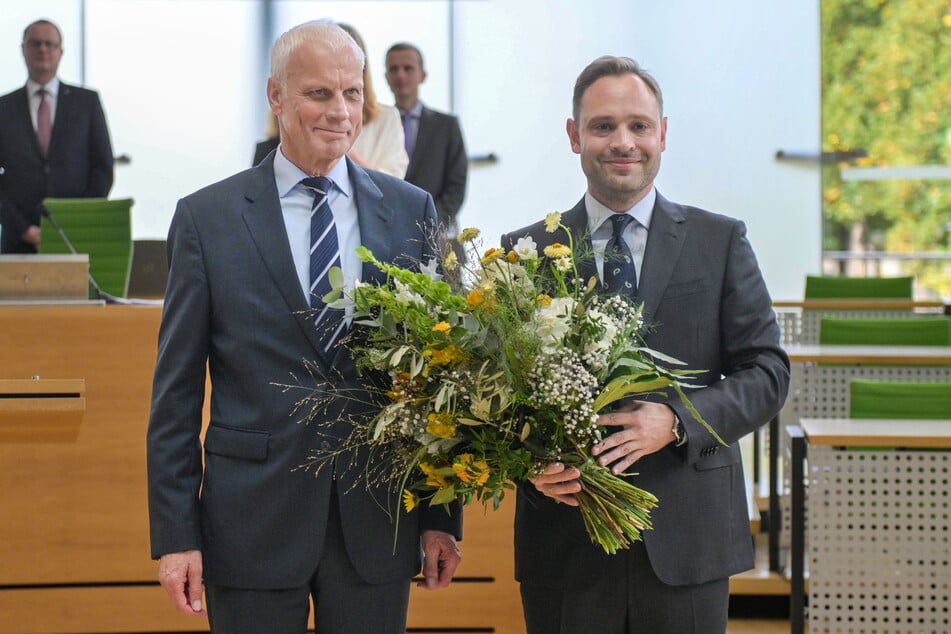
[665,240]
[265,222]
[423,133]
[577,222]
[64,102]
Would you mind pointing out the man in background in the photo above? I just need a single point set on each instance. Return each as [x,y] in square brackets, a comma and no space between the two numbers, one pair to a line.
[54,142]
[437,153]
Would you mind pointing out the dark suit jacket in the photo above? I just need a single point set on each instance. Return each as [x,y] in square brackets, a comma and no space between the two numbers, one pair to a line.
[439,163]
[702,289]
[262,149]
[79,163]
[234,300]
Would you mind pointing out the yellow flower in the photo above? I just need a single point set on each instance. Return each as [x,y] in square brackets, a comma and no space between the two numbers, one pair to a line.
[552,221]
[475,298]
[440,425]
[433,478]
[445,356]
[557,250]
[492,255]
[543,300]
[512,257]
[442,326]
[409,500]
[451,262]
[471,472]
[468,234]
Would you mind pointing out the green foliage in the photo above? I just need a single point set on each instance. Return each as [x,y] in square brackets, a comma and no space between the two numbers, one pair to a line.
[886,87]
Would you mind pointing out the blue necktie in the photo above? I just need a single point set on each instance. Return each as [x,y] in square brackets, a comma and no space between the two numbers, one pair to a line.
[324,255]
[620,275]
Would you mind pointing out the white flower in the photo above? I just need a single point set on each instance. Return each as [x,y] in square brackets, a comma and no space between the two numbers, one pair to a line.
[405,295]
[563,264]
[431,269]
[553,321]
[526,249]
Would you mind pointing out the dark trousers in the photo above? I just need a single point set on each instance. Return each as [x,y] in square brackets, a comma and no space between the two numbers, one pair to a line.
[628,598]
[343,602]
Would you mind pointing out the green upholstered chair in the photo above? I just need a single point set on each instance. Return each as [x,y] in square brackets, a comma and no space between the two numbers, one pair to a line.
[933,330]
[830,287]
[899,399]
[97,226]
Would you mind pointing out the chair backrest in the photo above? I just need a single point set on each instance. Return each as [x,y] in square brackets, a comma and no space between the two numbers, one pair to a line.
[934,330]
[97,226]
[829,287]
[899,399]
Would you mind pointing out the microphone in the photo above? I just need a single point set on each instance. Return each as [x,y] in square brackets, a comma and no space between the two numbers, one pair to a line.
[100,294]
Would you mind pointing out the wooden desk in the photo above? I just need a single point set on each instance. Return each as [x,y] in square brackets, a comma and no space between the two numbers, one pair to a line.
[74,539]
[819,388]
[871,516]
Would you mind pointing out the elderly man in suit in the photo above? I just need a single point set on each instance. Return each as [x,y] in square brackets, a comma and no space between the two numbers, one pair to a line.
[437,153]
[247,263]
[702,291]
[53,142]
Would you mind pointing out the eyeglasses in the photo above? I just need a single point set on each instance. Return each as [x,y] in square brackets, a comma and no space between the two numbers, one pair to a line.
[37,44]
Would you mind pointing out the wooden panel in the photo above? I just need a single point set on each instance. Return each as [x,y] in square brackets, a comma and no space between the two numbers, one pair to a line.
[92,610]
[41,410]
[77,513]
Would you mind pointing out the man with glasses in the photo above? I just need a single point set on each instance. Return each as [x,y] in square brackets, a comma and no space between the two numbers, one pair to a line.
[53,142]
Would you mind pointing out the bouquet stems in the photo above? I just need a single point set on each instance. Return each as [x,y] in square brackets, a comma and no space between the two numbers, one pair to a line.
[615,511]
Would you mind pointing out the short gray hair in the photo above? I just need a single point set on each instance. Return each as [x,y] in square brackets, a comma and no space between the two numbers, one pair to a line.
[323,30]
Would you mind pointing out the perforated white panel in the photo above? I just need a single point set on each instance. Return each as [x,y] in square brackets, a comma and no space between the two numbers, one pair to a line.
[878,547]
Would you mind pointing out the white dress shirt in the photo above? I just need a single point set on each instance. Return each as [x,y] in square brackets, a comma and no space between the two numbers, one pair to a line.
[52,91]
[601,228]
[296,203]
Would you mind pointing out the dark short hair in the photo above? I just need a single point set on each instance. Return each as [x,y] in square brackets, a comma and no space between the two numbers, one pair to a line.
[610,66]
[406,46]
[43,21]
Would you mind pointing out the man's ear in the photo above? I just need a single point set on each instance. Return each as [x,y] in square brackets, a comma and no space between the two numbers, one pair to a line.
[574,136]
[274,95]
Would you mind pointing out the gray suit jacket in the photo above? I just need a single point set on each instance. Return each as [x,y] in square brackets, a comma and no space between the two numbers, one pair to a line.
[703,292]
[79,163]
[234,302]
[439,163]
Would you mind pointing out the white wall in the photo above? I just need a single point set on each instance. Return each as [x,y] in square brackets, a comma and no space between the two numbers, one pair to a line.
[182,88]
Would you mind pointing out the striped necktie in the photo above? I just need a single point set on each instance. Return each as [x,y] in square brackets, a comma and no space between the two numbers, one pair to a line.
[324,255]
[620,275]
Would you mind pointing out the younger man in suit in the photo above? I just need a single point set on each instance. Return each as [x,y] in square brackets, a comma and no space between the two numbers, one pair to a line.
[703,292]
[246,268]
[437,153]
[53,142]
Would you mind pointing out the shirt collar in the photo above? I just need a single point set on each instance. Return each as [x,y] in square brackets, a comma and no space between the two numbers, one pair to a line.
[642,211]
[52,87]
[287,175]
[415,112]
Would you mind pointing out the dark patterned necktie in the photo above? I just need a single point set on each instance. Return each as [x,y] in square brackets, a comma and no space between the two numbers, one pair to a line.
[324,255]
[620,275]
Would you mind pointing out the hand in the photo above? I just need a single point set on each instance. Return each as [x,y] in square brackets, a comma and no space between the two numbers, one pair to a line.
[31,236]
[441,557]
[180,575]
[559,483]
[647,428]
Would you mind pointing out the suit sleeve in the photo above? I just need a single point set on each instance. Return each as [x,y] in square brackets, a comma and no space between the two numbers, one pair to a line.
[173,447]
[101,160]
[754,367]
[453,191]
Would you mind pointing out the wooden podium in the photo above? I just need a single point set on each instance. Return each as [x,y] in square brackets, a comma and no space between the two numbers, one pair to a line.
[74,536]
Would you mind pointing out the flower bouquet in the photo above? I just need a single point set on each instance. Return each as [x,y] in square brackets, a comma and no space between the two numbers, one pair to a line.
[488,383]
